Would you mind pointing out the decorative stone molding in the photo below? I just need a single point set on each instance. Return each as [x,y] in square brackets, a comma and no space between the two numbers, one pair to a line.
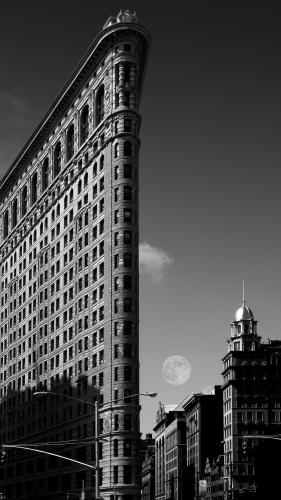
[123,16]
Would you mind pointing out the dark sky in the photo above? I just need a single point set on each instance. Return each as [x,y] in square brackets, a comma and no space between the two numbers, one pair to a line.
[209,166]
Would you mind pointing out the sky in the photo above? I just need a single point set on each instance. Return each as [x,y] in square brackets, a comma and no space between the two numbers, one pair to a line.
[209,163]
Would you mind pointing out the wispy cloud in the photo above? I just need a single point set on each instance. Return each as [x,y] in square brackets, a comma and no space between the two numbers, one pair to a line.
[14,127]
[153,261]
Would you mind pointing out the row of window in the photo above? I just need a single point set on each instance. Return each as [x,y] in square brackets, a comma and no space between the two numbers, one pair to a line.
[57,164]
[124,373]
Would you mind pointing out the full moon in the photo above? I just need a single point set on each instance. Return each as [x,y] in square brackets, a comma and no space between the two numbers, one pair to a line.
[176,370]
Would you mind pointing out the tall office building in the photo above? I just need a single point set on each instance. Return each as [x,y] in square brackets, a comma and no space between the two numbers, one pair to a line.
[251,407]
[69,279]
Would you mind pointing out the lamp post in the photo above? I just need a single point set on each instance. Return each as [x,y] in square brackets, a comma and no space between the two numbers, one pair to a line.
[97,430]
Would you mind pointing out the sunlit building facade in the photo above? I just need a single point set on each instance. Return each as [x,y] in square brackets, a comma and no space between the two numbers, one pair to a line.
[69,279]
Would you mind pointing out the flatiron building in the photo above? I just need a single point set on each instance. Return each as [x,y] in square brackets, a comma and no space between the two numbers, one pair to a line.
[69,281]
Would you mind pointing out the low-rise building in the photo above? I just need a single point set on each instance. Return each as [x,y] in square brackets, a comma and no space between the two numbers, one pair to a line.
[204,434]
[148,468]
[170,453]
[214,479]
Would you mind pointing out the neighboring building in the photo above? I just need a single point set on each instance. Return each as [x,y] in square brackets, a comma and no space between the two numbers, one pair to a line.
[170,453]
[148,467]
[214,477]
[163,417]
[252,406]
[204,434]
[69,278]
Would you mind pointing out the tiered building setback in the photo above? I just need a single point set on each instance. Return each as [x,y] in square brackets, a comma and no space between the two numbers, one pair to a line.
[69,279]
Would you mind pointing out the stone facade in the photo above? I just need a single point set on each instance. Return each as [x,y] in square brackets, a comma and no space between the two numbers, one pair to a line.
[170,453]
[69,279]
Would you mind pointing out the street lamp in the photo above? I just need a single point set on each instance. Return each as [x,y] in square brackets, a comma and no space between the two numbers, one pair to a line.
[149,394]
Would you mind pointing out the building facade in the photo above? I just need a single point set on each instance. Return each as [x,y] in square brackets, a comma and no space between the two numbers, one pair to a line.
[204,434]
[214,477]
[148,468]
[170,453]
[251,407]
[69,279]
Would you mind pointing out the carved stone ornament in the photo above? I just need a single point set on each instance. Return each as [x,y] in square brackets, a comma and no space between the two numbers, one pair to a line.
[107,423]
[126,16]
[123,16]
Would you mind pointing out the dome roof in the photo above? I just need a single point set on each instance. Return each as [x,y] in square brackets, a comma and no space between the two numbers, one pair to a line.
[244,313]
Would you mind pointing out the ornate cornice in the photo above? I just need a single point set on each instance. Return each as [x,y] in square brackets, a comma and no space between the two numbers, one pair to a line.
[78,78]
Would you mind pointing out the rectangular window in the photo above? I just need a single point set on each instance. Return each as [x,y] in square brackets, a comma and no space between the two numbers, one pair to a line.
[127,194]
[115,474]
[128,215]
[127,422]
[128,304]
[115,447]
[127,373]
[94,360]
[127,282]
[116,260]
[127,237]
[127,260]
[127,448]
[127,350]
[127,474]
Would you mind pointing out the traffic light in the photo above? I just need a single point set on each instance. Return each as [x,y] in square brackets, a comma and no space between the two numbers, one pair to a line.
[245,446]
[3,454]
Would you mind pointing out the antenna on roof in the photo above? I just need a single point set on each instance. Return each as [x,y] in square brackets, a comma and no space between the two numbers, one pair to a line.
[244,293]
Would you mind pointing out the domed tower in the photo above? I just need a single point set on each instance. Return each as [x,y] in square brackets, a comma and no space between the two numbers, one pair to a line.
[243,330]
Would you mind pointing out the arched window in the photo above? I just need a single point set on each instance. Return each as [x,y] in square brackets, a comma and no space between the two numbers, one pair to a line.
[84,124]
[45,174]
[24,201]
[33,188]
[70,142]
[57,159]
[5,224]
[100,105]
[127,148]
[14,213]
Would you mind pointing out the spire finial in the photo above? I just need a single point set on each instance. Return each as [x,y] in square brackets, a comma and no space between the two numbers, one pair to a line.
[244,301]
